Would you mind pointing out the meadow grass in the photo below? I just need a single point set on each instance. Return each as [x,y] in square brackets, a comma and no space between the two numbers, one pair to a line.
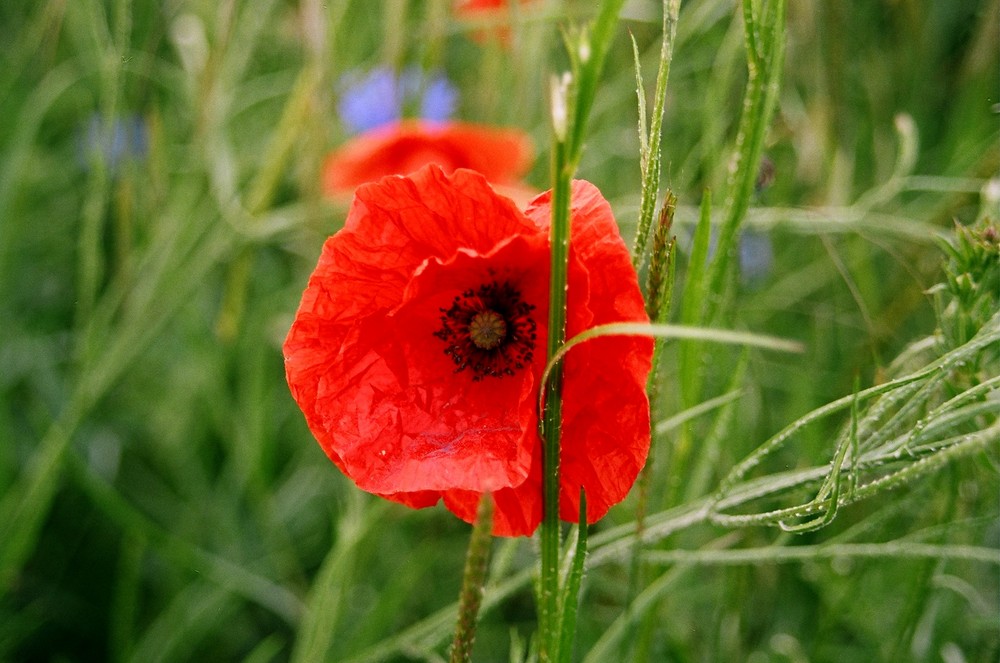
[162,499]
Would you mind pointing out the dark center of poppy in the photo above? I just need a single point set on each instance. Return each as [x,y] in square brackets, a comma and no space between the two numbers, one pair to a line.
[489,330]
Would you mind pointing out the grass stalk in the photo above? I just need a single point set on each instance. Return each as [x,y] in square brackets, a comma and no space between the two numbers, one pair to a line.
[764,33]
[570,599]
[650,143]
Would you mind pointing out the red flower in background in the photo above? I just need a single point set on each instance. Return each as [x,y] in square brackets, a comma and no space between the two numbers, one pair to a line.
[503,156]
[472,7]
[419,342]
[487,9]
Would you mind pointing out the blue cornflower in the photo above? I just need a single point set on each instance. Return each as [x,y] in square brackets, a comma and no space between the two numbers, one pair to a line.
[381,97]
[438,101]
[114,140]
[756,255]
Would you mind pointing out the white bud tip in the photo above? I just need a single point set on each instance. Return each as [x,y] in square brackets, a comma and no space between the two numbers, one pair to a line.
[560,110]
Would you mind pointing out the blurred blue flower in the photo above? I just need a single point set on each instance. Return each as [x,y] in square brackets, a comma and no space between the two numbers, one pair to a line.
[114,140]
[381,97]
[369,101]
[439,99]
[756,249]
[756,255]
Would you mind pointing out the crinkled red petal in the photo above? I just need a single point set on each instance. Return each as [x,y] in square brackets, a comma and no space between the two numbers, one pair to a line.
[450,430]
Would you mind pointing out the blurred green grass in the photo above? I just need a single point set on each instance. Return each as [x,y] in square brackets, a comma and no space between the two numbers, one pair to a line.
[162,497]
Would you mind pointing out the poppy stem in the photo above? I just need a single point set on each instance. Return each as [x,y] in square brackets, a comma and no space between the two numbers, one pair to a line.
[548,604]
[473,579]
[572,98]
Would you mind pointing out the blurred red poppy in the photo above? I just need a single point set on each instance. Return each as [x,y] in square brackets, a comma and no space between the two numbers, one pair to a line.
[503,156]
[494,10]
[419,343]
[471,7]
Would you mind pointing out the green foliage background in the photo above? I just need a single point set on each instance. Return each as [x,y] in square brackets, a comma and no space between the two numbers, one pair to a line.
[162,500]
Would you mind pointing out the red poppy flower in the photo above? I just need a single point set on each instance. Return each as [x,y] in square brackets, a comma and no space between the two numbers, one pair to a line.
[418,347]
[476,9]
[503,156]
[469,7]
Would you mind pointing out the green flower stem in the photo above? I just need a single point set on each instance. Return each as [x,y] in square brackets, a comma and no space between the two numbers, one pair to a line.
[473,579]
[573,97]
[548,616]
